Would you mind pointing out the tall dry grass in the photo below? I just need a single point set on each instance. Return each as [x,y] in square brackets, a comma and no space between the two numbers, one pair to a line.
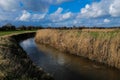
[15,64]
[100,45]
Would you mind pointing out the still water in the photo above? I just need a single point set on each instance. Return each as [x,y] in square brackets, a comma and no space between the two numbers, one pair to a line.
[63,66]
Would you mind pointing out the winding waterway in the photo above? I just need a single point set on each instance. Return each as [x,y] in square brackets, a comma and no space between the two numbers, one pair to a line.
[63,66]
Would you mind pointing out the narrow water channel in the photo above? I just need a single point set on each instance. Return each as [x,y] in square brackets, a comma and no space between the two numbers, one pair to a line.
[63,66]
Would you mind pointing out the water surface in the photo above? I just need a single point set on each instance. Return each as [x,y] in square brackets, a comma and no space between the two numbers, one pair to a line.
[63,66]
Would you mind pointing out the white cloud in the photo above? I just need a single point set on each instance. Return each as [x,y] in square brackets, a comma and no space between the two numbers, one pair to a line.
[25,16]
[38,16]
[9,5]
[67,15]
[59,16]
[56,16]
[34,5]
[94,10]
[59,10]
[36,11]
[18,10]
[114,8]
[100,9]
[55,1]
[7,16]
[106,20]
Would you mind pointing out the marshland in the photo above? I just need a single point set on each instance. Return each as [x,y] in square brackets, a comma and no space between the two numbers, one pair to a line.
[97,45]
[59,53]
[59,39]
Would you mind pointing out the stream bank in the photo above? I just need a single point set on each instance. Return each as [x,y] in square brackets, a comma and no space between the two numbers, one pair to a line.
[15,64]
[102,46]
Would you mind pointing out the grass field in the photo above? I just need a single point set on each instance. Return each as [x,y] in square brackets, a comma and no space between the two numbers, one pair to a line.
[3,33]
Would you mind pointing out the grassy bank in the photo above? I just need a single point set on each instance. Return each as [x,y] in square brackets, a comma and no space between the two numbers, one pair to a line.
[14,62]
[98,45]
[3,33]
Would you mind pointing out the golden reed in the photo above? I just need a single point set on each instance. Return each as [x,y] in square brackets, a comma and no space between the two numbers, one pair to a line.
[98,45]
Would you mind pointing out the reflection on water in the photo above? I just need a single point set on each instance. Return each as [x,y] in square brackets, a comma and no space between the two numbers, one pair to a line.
[64,66]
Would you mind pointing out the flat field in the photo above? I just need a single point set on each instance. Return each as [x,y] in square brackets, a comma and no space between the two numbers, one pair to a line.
[3,33]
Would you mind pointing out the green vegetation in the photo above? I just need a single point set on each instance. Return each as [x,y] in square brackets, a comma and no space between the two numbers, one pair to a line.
[2,33]
[104,34]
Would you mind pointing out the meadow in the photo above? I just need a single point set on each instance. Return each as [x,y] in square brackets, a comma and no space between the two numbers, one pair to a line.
[3,33]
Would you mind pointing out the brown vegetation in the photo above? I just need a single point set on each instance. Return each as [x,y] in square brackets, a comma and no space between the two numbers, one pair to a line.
[14,62]
[97,45]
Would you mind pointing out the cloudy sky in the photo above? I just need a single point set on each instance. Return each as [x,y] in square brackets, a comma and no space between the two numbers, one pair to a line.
[60,12]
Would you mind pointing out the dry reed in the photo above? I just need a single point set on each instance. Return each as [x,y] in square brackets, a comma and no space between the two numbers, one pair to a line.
[100,45]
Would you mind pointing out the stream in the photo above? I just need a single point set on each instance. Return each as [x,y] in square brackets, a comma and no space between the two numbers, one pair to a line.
[64,66]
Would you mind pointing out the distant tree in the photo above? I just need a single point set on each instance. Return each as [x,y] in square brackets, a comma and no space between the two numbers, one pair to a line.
[39,27]
[22,27]
[64,27]
[0,29]
[74,27]
[81,27]
[8,27]
[49,27]
[30,27]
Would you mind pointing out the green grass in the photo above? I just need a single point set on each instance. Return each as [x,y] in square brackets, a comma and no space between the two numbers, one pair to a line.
[104,34]
[94,34]
[3,33]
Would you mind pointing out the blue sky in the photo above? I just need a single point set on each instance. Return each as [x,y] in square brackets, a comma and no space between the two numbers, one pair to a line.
[105,13]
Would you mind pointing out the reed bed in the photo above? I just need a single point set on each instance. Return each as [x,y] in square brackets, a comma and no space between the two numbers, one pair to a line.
[97,45]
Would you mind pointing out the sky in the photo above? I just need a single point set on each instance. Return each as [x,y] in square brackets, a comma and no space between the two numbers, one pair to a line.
[58,13]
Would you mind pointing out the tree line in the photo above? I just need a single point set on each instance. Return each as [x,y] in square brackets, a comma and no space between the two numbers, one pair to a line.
[83,27]
[10,27]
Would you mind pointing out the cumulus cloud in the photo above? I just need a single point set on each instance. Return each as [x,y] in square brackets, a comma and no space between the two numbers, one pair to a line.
[114,8]
[58,11]
[9,5]
[59,16]
[36,11]
[34,5]
[97,9]
[19,10]
[100,9]
[27,16]
[67,15]
[7,16]
[94,10]
[55,1]
[106,20]
[38,16]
